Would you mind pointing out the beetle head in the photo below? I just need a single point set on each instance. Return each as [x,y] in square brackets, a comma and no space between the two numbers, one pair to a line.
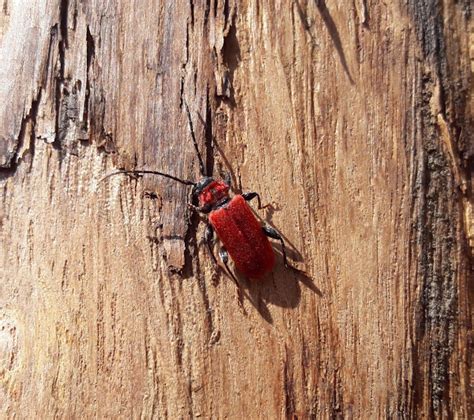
[210,191]
[201,184]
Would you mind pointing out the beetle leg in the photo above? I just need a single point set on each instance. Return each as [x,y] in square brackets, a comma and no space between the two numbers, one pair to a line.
[209,238]
[225,259]
[228,179]
[251,195]
[273,233]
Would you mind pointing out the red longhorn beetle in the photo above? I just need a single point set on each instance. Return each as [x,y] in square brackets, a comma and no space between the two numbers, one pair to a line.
[242,235]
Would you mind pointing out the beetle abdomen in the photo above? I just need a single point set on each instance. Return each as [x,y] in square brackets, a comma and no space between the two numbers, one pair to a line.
[241,234]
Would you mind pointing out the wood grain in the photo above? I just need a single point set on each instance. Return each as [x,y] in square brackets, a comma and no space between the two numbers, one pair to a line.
[353,120]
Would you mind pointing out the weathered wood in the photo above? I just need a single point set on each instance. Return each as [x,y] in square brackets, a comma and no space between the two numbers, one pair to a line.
[352,119]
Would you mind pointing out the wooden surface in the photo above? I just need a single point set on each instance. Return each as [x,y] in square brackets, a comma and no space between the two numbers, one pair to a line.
[353,119]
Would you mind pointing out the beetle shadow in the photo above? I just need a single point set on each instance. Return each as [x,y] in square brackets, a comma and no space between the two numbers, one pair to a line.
[300,275]
[280,288]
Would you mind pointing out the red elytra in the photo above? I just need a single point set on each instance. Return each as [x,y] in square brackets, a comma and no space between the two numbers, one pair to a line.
[238,229]
[241,234]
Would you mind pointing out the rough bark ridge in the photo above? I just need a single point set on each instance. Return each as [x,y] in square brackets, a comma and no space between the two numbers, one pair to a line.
[352,119]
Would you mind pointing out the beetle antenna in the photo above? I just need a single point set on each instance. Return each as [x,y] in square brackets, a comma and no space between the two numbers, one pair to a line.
[190,121]
[182,181]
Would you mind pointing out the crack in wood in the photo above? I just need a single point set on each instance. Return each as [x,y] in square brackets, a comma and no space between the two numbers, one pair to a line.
[28,122]
[61,83]
[90,54]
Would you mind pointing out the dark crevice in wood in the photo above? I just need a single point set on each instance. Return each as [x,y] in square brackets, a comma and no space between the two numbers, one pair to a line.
[226,13]
[90,53]
[216,4]
[53,38]
[187,47]
[357,38]
[61,90]
[181,92]
[231,57]
[365,14]
[207,11]
[63,22]
[191,7]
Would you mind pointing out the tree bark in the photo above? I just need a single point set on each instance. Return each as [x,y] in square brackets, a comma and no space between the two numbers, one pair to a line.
[352,119]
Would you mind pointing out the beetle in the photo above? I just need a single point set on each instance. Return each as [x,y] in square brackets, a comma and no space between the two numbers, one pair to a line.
[242,235]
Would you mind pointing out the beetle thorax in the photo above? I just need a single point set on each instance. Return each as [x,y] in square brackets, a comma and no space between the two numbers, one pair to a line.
[213,193]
